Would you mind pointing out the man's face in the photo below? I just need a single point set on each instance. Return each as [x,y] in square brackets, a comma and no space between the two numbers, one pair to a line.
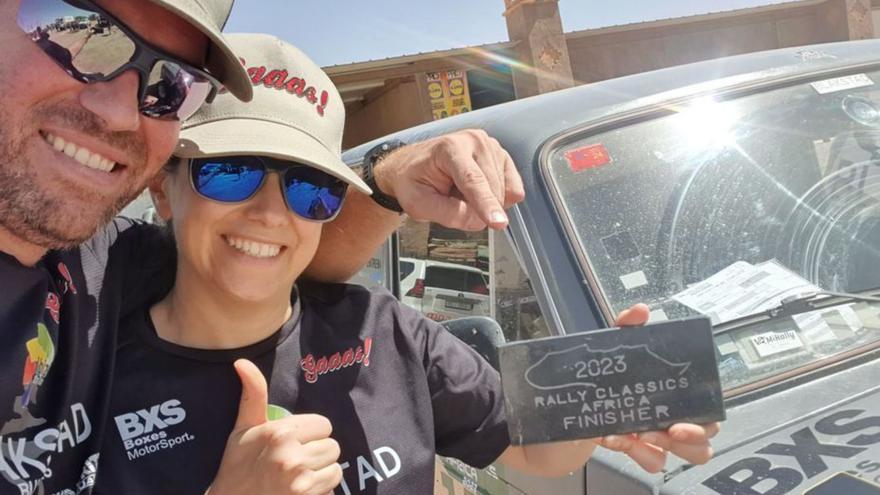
[53,200]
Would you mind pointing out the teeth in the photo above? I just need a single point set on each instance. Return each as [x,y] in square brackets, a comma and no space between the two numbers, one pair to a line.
[82,155]
[59,143]
[95,161]
[253,248]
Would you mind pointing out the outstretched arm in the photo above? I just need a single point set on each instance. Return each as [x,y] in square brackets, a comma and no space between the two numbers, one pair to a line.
[77,47]
[464,180]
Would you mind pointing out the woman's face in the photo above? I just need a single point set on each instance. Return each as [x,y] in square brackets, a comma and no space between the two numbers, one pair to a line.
[251,251]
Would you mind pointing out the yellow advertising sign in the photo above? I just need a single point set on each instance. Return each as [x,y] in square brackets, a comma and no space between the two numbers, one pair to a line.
[449,93]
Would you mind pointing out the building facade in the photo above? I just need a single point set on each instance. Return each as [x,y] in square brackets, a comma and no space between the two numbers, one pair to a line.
[384,96]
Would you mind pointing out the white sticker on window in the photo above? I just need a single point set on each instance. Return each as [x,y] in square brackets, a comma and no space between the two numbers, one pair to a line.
[744,289]
[726,345]
[814,327]
[658,315]
[634,280]
[851,317]
[842,83]
[770,343]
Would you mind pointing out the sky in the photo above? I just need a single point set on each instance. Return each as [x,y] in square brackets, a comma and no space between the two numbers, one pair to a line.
[342,31]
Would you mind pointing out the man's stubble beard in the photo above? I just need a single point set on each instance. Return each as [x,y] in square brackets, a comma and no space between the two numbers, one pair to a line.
[58,216]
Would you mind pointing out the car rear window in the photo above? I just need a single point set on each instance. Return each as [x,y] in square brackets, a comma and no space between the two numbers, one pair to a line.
[455,279]
[406,268]
[727,207]
[785,180]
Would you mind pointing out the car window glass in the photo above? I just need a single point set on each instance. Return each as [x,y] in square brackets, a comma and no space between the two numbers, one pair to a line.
[443,271]
[789,177]
[763,350]
[406,268]
[447,278]
[727,207]
[476,283]
[449,274]
[516,307]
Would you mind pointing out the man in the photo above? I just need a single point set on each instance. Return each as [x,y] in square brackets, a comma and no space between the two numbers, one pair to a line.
[75,150]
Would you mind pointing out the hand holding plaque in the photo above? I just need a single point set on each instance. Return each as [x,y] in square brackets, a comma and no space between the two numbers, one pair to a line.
[616,382]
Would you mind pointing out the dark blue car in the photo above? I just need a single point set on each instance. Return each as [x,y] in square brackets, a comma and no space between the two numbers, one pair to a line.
[746,189]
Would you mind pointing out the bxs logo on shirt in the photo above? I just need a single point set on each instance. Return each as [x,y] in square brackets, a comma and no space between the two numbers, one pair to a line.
[143,431]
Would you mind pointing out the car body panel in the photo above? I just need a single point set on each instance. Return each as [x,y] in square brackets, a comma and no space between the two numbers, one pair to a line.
[529,127]
[842,409]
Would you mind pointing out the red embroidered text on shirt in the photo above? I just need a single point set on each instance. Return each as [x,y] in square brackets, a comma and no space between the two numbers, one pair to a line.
[354,355]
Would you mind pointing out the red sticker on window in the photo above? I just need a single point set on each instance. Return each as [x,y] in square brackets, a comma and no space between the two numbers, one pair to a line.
[592,156]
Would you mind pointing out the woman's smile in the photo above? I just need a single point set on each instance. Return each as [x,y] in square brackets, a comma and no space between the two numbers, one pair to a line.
[254,248]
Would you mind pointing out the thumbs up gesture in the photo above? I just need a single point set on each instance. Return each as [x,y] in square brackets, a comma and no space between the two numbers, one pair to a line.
[290,456]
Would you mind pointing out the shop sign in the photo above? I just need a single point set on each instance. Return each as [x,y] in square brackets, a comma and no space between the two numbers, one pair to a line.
[449,93]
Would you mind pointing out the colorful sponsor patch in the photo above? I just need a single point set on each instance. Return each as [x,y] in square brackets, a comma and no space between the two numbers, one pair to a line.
[41,354]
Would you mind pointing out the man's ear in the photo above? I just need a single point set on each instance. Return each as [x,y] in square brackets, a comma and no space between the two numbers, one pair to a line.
[158,187]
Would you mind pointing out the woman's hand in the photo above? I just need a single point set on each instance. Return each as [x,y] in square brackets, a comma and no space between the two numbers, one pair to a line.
[289,456]
[649,449]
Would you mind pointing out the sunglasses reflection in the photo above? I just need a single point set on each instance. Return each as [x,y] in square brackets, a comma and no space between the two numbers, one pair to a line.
[311,201]
[167,88]
[319,210]
[225,173]
[83,44]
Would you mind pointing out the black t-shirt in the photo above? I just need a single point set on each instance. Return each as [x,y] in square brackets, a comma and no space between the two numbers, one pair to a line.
[396,386]
[59,321]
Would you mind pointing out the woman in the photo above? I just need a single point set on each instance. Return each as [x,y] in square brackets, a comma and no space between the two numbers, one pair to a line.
[395,386]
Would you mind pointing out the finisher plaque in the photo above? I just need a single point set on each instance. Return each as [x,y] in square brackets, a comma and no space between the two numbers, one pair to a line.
[611,381]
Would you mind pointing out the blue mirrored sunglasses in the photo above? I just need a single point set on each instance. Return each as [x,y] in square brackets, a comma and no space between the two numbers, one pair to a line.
[309,193]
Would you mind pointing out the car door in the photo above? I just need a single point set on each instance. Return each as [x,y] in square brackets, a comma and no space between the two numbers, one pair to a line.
[505,293]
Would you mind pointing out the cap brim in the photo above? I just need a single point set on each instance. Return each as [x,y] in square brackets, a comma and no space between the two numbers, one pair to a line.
[222,62]
[263,138]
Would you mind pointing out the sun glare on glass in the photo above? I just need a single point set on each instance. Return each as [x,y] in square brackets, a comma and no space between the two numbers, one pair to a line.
[708,124]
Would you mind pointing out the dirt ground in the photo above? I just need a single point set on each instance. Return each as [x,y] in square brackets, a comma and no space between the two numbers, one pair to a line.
[95,49]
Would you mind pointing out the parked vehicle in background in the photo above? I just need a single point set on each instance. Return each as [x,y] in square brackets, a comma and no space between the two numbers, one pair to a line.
[444,290]
[746,189]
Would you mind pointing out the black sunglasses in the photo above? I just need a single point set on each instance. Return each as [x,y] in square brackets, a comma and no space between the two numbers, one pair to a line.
[92,46]
[309,193]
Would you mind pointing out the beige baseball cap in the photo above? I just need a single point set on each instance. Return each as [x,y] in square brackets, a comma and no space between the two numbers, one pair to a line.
[209,17]
[296,113]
